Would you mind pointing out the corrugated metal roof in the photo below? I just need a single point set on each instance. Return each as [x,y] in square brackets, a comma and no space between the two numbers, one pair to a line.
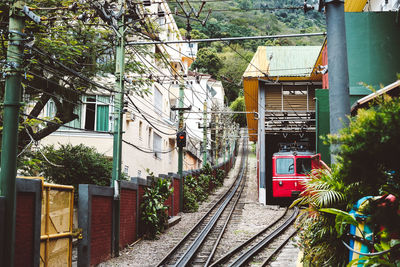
[354,5]
[258,66]
[292,60]
[286,61]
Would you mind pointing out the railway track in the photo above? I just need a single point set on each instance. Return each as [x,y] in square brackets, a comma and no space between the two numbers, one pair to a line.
[197,248]
[255,248]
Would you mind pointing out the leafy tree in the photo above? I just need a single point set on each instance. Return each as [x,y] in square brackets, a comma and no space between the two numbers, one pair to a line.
[235,61]
[239,105]
[207,61]
[62,55]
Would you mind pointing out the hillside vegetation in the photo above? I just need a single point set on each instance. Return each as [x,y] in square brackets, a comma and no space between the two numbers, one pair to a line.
[246,18]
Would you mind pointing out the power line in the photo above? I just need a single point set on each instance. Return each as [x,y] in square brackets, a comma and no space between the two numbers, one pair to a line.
[148,151]
[147,119]
[209,40]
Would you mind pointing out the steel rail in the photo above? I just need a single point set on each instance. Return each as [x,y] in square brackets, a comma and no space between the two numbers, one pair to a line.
[245,257]
[210,257]
[267,260]
[202,219]
[230,253]
[188,255]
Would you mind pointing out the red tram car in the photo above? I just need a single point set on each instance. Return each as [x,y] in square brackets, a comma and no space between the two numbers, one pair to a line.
[290,168]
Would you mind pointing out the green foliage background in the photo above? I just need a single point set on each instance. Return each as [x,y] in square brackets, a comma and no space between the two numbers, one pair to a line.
[245,21]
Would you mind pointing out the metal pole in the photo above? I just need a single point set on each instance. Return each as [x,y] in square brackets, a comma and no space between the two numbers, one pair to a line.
[216,138]
[205,133]
[231,39]
[180,150]
[339,99]
[9,144]
[117,142]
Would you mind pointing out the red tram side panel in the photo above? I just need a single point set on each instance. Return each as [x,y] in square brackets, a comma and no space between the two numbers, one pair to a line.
[289,170]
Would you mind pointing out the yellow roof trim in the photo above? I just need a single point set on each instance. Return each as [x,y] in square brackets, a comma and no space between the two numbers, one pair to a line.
[354,5]
[258,63]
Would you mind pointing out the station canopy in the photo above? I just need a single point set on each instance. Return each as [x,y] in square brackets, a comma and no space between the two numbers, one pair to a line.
[278,64]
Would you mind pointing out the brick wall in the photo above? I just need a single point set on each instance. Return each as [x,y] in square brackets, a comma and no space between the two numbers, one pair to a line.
[141,193]
[101,229]
[24,229]
[168,203]
[176,196]
[128,211]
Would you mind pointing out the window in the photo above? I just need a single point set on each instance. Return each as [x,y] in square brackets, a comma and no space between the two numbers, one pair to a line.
[158,103]
[284,166]
[303,165]
[149,138]
[126,170]
[97,113]
[51,111]
[140,130]
[157,145]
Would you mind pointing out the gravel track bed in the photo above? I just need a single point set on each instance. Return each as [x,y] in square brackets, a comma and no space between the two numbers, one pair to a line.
[252,218]
[249,218]
[150,252]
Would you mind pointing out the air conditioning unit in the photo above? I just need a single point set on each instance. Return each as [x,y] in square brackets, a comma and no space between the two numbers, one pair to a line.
[130,116]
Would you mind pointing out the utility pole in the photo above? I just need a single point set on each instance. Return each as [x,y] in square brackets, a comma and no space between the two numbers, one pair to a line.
[118,115]
[9,146]
[180,112]
[205,133]
[216,138]
[339,99]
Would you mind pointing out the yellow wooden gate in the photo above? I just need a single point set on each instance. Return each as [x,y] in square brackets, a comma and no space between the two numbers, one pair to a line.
[56,225]
[56,230]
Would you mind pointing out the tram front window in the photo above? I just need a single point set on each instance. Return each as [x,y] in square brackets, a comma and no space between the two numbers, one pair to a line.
[285,166]
[303,165]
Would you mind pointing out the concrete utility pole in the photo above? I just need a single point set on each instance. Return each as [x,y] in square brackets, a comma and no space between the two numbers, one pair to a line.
[118,116]
[9,146]
[216,138]
[181,109]
[205,133]
[339,98]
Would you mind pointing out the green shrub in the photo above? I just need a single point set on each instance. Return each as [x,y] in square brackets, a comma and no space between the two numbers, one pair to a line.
[68,165]
[196,189]
[190,203]
[194,185]
[318,238]
[219,178]
[204,182]
[368,150]
[207,170]
[367,156]
[154,212]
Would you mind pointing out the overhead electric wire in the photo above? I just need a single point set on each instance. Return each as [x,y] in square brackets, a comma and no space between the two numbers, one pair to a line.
[209,40]
[149,120]
[77,74]
[145,151]
[140,58]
